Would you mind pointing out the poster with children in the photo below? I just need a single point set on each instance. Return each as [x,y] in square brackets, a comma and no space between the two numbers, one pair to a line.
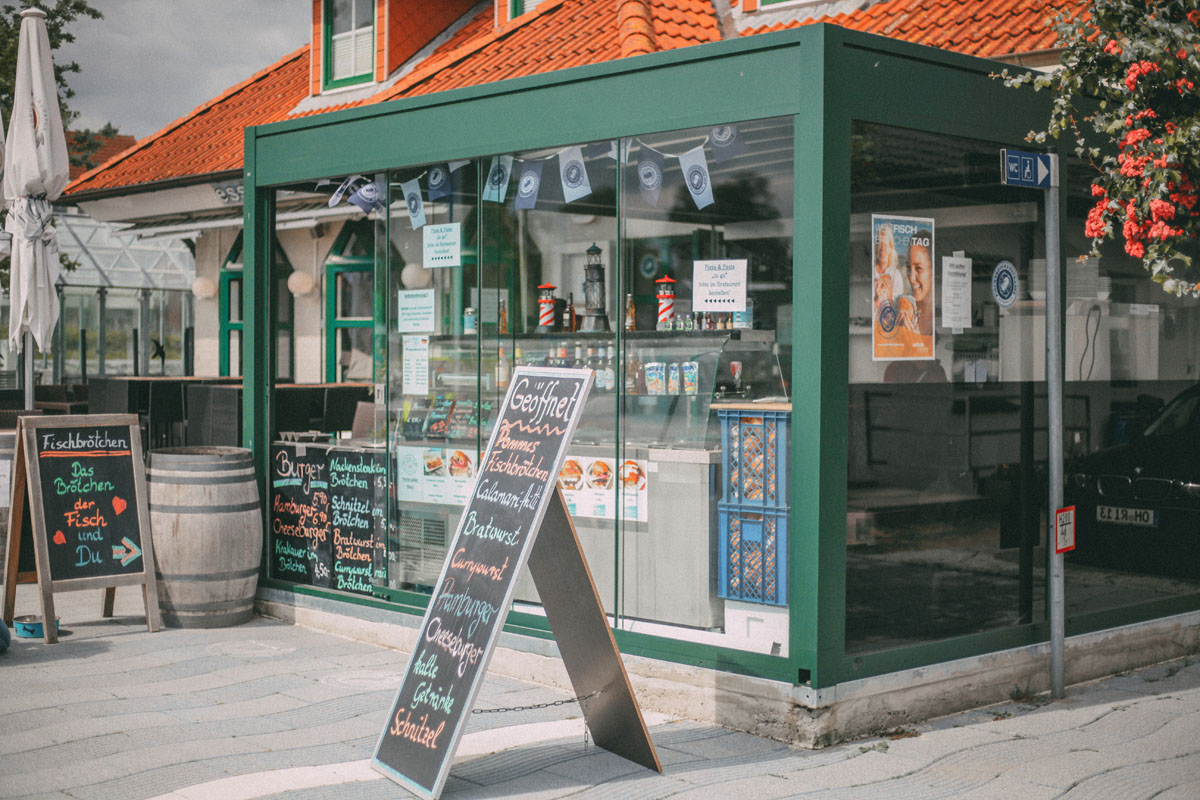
[902,289]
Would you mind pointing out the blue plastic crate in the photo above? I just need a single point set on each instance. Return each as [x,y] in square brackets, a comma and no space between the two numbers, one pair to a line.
[755,448]
[752,554]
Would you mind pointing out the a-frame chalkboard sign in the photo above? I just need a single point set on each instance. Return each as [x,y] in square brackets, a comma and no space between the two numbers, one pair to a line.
[515,514]
[83,479]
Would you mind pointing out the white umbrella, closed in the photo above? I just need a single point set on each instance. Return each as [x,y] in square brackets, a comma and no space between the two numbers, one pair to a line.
[36,170]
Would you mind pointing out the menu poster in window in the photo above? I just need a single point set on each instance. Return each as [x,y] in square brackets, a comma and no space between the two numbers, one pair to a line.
[300,549]
[956,292]
[414,373]
[496,531]
[596,487]
[902,288]
[357,497]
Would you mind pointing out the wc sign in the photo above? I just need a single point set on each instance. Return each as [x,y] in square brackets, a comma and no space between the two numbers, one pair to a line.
[1064,529]
[1031,170]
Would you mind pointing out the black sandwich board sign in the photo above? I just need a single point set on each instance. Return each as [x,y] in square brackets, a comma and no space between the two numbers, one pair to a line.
[515,514]
[83,479]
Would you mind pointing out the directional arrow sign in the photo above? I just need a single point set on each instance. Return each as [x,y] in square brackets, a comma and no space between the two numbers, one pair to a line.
[1032,170]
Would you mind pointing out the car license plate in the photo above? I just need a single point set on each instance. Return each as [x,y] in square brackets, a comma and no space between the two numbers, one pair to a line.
[1127,516]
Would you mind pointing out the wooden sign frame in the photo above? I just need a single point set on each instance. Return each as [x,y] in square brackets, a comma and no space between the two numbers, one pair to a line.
[27,485]
[568,594]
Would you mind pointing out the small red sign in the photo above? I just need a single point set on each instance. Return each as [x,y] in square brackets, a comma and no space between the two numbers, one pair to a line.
[1064,529]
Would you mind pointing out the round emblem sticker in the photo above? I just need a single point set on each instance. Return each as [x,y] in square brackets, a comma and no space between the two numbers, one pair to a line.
[499,176]
[697,178]
[887,319]
[437,178]
[529,184]
[1005,284]
[722,135]
[414,204]
[573,174]
[650,175]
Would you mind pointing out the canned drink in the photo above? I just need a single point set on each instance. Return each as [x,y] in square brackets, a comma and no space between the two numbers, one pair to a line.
[735,369]
[656,378]
[690,373]
[470,321]
[673,378]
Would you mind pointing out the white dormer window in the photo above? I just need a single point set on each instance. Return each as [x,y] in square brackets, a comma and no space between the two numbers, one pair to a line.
[349,42]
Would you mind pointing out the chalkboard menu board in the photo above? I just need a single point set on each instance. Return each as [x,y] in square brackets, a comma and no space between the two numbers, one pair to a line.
[327,523]
[466,612]
[89,501]
[82,481]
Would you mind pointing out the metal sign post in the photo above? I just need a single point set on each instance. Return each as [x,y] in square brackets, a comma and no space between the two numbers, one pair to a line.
[1040,171]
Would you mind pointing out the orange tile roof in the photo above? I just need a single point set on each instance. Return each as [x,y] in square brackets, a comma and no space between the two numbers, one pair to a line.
[986,28]
[558,34]
[209,139]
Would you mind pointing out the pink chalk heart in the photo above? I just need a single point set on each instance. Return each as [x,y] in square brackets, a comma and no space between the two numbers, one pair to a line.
[119,505]
[59,538]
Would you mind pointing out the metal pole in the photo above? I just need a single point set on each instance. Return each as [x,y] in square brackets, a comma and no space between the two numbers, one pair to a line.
[28,358]
[102,325]
[1054,389]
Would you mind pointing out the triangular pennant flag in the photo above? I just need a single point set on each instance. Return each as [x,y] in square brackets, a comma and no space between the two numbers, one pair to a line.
[650,174]
[340,192]
[727,142]
[368,197]
[438,180]
[496,187]
[529,184]
[574,175]
[412,199]
[695,174]
[455,166]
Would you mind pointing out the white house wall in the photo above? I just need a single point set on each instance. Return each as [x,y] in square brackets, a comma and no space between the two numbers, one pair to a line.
[307,249]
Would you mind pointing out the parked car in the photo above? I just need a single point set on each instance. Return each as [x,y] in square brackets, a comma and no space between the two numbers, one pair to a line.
[1137,505]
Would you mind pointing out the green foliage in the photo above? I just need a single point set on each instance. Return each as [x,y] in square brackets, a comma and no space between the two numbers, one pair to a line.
[1129,80]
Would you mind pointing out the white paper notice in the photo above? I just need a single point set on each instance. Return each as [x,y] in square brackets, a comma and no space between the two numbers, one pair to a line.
[719,285]
[956,292]
[415,364]
[415,311]
[442,245]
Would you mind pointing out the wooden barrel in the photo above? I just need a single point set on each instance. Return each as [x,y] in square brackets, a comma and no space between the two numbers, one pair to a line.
[207,529]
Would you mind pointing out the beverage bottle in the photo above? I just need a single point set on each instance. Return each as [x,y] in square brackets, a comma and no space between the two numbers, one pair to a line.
[641,378]
[609,370]
[568,317]
[503,372]
[518,359]
[631,373]
[502,317]
[630,316]
[578,360]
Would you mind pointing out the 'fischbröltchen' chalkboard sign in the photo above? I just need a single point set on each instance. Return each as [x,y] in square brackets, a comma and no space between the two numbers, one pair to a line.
[327,516]
[466,612]
[83,481]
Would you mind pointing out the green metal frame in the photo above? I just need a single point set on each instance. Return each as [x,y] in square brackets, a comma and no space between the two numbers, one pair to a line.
[226,325]
[335,265]
[327,81]
[822,76]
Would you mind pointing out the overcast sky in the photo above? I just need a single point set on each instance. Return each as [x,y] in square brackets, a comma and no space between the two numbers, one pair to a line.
[149,62]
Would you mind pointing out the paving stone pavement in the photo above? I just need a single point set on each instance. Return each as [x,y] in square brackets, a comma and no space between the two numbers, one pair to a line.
[271,710]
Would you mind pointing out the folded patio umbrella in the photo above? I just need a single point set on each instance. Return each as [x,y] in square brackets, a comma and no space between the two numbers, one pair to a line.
[36,170]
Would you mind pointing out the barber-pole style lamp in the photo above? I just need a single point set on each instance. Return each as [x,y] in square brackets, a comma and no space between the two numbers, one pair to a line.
[594,317]
[666,302]
[549,310]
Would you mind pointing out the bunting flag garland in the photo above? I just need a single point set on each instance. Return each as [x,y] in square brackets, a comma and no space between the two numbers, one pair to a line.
[529,184]
[412,199]
[694,166]
[455,166]
[368,197]
[439,181]
[650,174]
[496,187]
[727,142]
[340,192]
[574,175]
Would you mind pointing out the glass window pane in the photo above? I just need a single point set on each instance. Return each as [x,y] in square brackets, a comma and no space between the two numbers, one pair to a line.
[947,424]
[235,300]
[355,294]
[341,13]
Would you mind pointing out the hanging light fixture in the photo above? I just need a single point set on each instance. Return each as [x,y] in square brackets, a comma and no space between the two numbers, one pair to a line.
[204,288]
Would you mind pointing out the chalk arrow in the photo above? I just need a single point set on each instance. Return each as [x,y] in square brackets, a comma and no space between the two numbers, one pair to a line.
[132,552]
